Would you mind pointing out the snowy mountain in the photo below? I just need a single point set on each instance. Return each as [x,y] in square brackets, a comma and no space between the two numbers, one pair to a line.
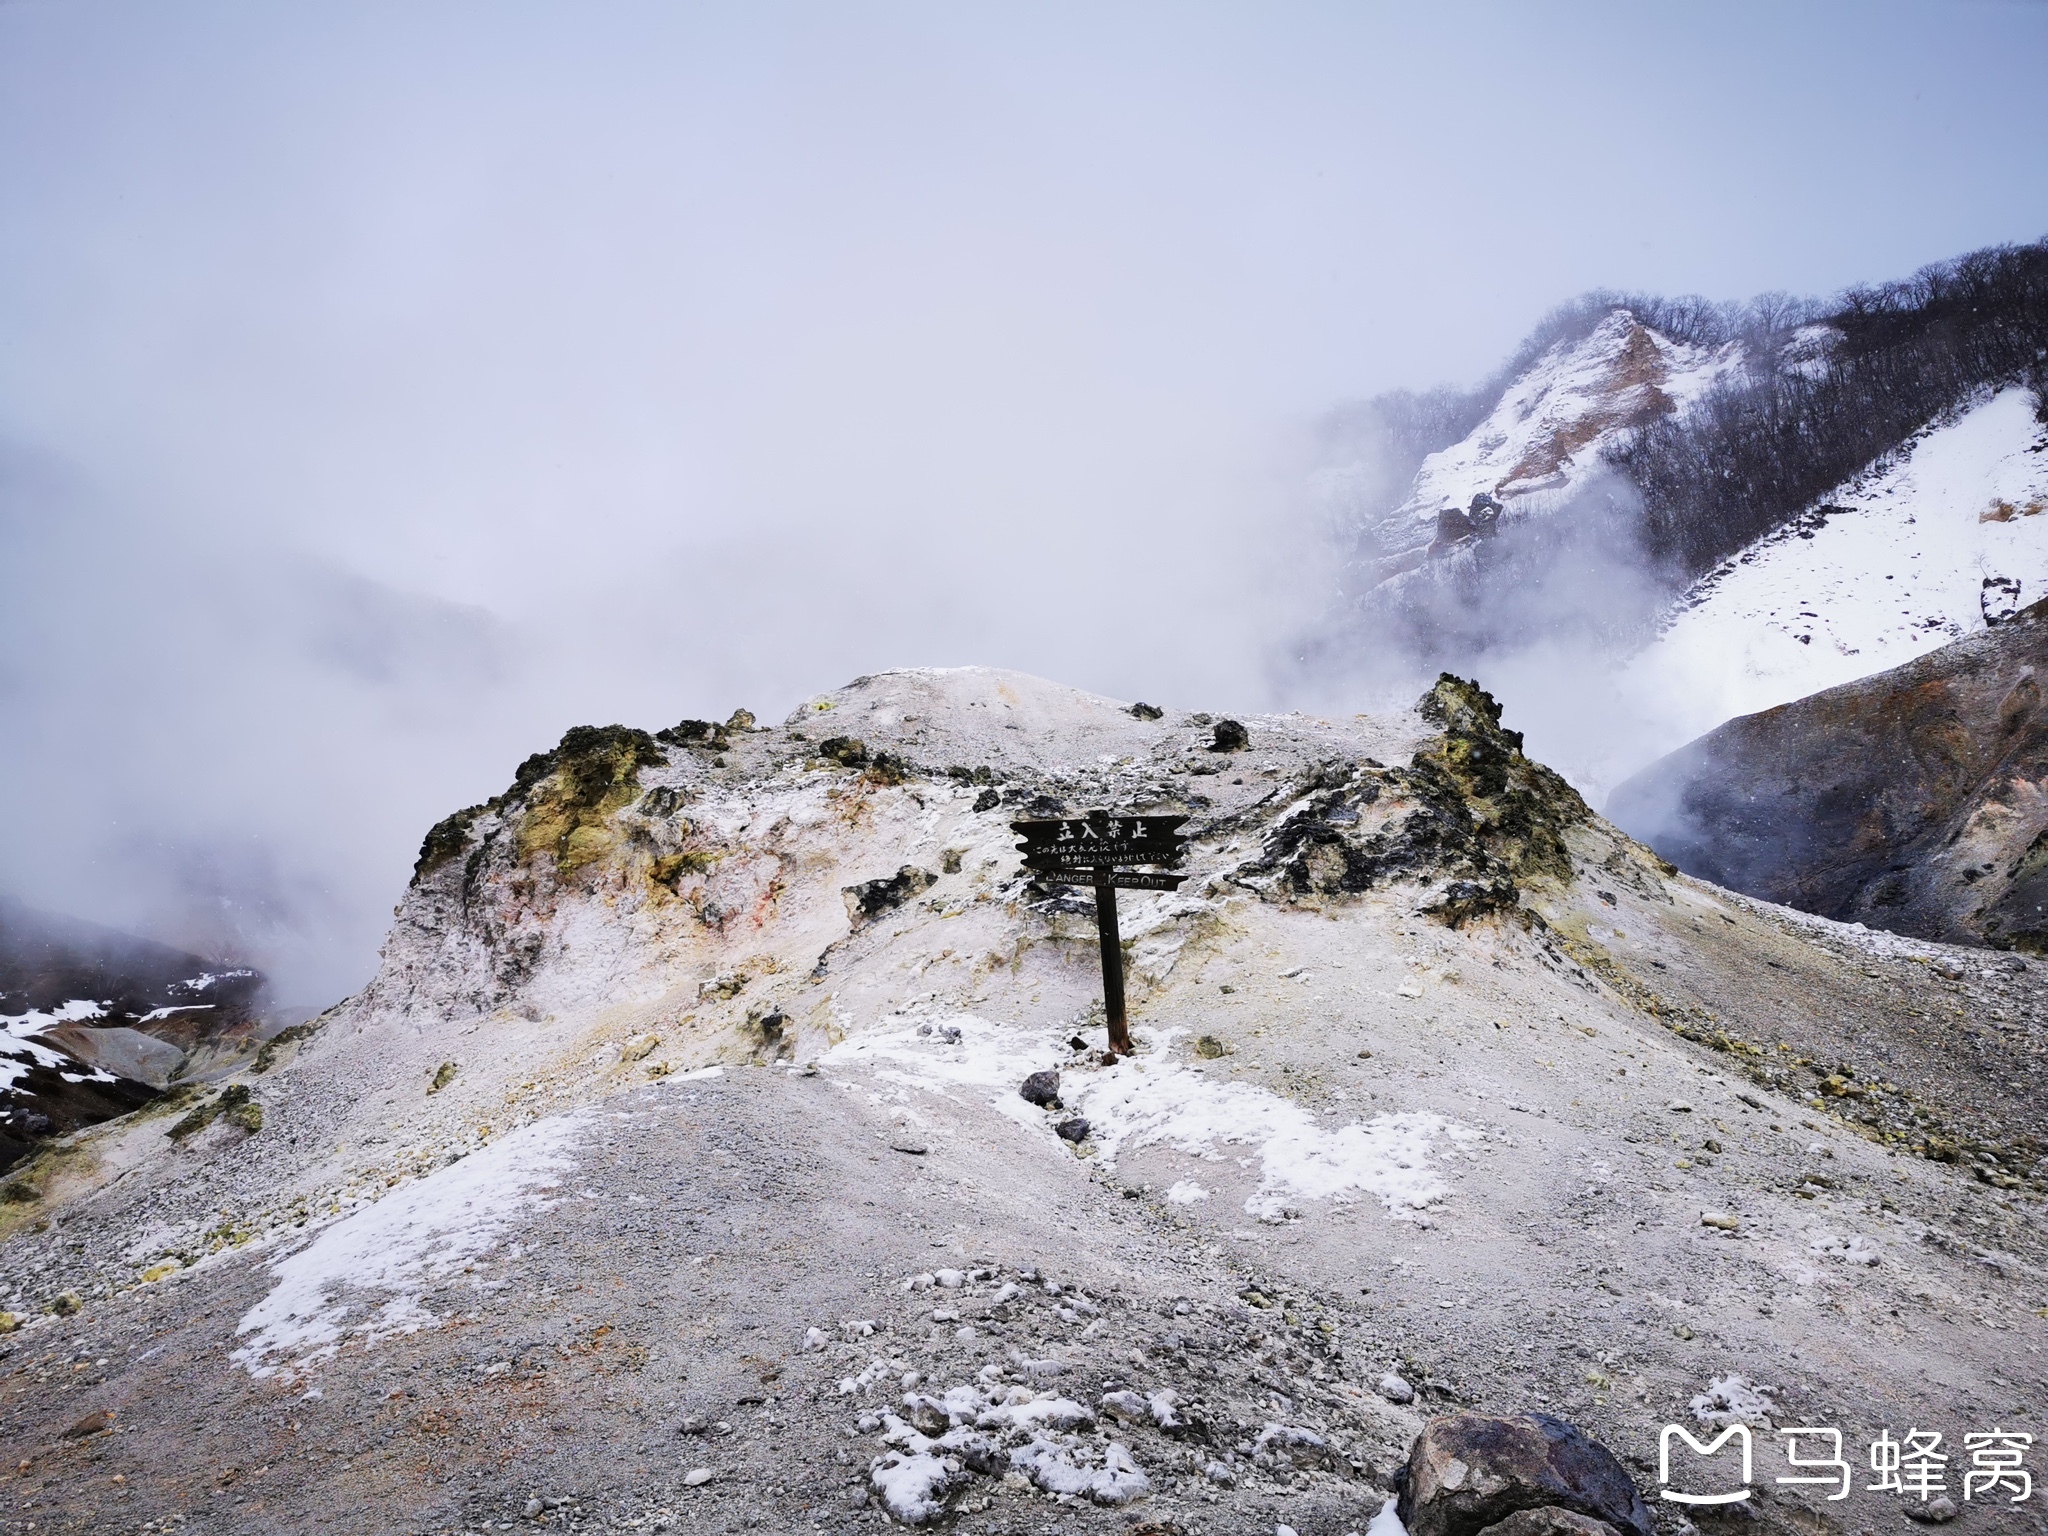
[1666,514]
[1544,437]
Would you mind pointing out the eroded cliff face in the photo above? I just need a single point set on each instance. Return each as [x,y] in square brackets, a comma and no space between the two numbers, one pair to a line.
[1915,800]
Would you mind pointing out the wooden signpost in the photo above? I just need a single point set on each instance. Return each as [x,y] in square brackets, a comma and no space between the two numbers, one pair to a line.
[1104,851]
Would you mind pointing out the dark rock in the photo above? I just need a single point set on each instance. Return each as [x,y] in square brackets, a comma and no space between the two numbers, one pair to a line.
[1074,1130]
[1549,1521]
[1229,736]
[92,1424]
[987,800]
[1471,1471]
[847,751]
[1042,1088]
[1146,711]
[702,734]
[871,898]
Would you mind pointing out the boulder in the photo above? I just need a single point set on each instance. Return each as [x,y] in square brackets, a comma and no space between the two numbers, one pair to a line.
[1470,1472]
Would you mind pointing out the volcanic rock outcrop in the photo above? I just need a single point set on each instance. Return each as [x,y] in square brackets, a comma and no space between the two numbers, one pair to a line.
[1915,800]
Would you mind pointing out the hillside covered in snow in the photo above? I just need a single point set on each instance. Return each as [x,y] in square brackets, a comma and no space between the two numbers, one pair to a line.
[1940,539]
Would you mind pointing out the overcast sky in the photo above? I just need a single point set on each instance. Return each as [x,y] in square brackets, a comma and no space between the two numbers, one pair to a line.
[384,388]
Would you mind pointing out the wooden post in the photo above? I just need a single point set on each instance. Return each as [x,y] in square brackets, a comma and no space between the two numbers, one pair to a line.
[1112,961]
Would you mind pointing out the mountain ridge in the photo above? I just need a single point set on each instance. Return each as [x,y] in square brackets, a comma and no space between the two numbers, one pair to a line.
[664,1177]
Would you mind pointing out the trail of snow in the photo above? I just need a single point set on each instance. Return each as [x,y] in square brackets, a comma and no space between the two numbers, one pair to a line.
[420,1233]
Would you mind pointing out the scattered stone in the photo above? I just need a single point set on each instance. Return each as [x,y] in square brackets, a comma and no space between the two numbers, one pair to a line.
[697,1477]
[443,1076]
[1074,1130]
[1209,1048]
[1936,1511]
[67,1304]
[1127,1405]
[92,1424]
[1679,1107]
[1395,1390]
[638,1046]
[533,1509]
[1042,1088]
[1471,1471]
[1726,1221]
[1146,712]
[1229,736]
[914,1148]
[987,800]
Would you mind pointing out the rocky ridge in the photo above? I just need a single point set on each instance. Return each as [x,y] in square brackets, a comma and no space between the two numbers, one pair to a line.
[611,1203]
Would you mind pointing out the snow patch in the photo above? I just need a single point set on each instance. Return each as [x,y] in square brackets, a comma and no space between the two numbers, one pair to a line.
[1733,1399]
[1151,1100]
[420,1233]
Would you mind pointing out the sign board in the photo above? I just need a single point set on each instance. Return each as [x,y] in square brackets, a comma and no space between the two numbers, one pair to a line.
[1075,842]
[1101,850]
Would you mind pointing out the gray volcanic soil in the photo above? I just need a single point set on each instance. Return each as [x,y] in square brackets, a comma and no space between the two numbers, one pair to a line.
[1459,1071]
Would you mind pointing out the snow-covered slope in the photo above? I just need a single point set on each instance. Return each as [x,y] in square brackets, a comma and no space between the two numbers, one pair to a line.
[1893,565]
[1546,434]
